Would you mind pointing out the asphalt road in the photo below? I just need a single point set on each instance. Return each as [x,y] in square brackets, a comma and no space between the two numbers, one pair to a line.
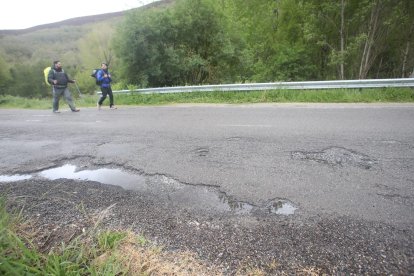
[336,167]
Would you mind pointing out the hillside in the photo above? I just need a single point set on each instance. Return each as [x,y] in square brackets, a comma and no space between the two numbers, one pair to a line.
[81,43]
[184,42]
[78,21]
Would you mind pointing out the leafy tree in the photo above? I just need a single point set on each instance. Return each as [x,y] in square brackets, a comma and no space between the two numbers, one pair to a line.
[94,49]
[217,41]
[184,44]
[28,81]
[5,76]
[397,59]
[376,37]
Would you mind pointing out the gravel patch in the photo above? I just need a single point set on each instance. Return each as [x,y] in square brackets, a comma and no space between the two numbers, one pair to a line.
[62,209]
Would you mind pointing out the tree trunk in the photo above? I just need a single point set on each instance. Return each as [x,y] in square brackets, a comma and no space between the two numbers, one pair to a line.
[366,59]
[342,31]
[407,51]
[405,57]
[379,68]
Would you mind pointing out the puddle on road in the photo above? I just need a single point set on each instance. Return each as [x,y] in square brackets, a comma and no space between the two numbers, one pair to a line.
[281,207]
[14,178]
[200,197]
[104,176]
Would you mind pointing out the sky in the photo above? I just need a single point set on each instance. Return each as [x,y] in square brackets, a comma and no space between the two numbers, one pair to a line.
[22,14]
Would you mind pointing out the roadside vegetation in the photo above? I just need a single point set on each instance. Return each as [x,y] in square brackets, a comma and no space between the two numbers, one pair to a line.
[97,251]
[197,42]
[94,252]
[386,95]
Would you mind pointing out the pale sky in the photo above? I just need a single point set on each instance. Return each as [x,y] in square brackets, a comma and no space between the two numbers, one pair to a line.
[22,14]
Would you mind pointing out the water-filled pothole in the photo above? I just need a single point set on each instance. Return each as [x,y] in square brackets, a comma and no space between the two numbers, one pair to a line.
[281,207]
[201,197]
[105,176]
[14,178]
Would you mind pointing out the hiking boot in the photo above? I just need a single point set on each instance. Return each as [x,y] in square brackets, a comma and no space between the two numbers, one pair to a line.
[76,110]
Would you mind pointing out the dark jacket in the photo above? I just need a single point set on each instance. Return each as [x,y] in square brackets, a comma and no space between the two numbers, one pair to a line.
[61,77]
[105,82]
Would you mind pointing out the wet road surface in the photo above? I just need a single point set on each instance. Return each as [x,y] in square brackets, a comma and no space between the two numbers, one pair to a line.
[328,186]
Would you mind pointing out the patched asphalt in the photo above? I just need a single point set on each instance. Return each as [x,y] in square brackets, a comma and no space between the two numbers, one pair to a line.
[210,179]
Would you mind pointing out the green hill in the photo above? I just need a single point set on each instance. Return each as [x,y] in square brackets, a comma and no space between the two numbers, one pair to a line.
[80,43]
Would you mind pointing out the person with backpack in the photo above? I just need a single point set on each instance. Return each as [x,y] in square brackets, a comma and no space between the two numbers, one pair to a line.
[59,81]
[104,79]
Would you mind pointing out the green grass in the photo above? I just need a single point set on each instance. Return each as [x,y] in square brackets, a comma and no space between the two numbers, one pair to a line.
[94,252]
[18,256]
[274,96]
[378,95]
[102,252]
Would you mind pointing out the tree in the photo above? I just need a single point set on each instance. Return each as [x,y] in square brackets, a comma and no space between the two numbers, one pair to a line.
[383,20]
[405,12]
[28,81]
[184,44]
[5,76]
[95,48]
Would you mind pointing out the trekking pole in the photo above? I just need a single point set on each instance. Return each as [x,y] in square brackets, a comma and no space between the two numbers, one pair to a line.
[77,87]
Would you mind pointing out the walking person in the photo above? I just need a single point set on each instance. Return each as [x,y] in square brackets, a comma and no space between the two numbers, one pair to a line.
[59,81]
[104,78]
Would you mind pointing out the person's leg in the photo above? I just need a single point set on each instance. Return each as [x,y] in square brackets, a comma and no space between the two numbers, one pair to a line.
[56,95]
[69,100]
[103,96]
[111,97]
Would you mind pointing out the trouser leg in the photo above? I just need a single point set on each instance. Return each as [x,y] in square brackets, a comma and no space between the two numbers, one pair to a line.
[111,97]
[56,95]
[68,98]
[104,91]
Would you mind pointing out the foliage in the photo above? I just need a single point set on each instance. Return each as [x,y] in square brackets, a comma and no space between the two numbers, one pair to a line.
[18,256]
[274,96]
[92,253]
[182,44]
[95,48]
[305,40]
[213,41]
[24,83]
[5,76]
[326,96]
[80,48]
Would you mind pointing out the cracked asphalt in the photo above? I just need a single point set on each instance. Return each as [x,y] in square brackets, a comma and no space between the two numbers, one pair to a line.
[209,176]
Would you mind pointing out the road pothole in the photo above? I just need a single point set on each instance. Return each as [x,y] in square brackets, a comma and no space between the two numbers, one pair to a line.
[201,197]
[337,156]
[14,178]
[105,176]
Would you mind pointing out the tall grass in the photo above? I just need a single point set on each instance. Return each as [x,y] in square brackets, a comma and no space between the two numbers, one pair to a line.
[273,96]
[18,256]
[377,95]
[104,252]
[95,252]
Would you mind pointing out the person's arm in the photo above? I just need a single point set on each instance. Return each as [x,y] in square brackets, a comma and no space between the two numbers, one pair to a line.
[69,80]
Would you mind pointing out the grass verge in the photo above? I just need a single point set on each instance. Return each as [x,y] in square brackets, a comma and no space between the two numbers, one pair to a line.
[377,95]
[105,252]
[97,252]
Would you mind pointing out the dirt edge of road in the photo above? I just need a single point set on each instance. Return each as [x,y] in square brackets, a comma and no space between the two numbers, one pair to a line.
[231,244]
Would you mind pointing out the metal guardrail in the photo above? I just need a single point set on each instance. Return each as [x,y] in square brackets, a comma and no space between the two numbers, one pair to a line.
[336,84]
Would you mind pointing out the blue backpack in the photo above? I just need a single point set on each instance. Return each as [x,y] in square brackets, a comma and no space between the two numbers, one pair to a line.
[94,75]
